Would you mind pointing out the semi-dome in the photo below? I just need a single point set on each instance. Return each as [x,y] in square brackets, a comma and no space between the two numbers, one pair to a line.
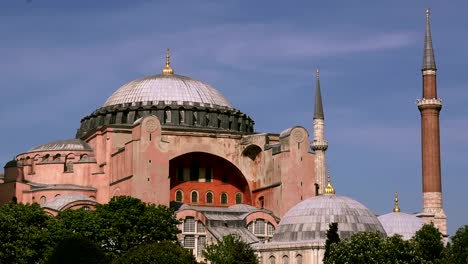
[310,219]
[170,89]
[68,144]
[400,223]
[179,102]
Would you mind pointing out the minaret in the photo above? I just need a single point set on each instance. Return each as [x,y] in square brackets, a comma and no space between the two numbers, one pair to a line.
[430,106]
[319,145]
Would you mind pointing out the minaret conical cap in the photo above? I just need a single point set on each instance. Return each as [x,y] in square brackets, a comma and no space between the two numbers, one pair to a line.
[428,60]
[318,113]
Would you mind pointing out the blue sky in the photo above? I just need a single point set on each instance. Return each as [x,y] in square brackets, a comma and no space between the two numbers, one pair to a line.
[61,60]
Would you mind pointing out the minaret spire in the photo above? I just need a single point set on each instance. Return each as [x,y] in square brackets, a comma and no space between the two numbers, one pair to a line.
[319,144]
[429,107]
[429,61]
[318,113]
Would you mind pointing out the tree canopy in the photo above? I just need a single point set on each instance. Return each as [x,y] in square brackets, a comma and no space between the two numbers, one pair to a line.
[457,251]
[230,250]
[154,253]
[75,249]
[332,238]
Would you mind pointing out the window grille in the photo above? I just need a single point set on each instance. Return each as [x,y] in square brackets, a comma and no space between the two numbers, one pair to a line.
[200,227]
[189,241]
[201,244]
[270,229]
[189,224]
[259,227]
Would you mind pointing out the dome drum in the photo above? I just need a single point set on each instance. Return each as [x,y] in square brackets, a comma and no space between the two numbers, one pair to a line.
[189,115]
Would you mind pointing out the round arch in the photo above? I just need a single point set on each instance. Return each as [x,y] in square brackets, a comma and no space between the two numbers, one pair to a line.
[207,173]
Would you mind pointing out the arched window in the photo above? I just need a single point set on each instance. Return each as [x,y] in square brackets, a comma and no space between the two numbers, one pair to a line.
[181,116]
[285,259]
[179,196]
[167,116]
[194,197]
[195,117]
[298,259]
[238,198]
[43,200]
[224,198]
[272,260]
[189,224]
[209,197]
[86,208]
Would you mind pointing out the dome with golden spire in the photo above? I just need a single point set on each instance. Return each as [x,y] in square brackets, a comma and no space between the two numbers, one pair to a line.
[309,220]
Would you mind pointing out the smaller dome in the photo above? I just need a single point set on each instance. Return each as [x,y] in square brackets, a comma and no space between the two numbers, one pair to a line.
[403,224]
[61,201]
[68,144]
[309,220]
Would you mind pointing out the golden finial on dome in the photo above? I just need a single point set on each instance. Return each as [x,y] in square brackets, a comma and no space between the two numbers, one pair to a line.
[329,189]
[168,69]
[396,209]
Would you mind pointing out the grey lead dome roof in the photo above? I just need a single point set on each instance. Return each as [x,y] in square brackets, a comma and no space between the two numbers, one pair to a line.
[169,89]
[68,144]
[309,220]
[400,223]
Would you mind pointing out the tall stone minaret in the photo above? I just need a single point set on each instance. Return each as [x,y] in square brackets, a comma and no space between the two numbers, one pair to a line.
[430,106]
[319,145]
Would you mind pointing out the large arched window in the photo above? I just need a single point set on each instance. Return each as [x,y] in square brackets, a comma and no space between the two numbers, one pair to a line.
[224,198]
[167,116]
[194,196]
[179,196]
[209,197]
[238,198]
[285,259]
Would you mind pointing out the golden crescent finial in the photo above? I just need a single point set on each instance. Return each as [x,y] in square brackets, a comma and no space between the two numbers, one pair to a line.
[396,209]
[329,189]
[168,69]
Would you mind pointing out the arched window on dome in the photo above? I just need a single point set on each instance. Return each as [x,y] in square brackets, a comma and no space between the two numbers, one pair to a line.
[285,259]
[167,116]
[179,196]
[209,197]
[195,117]
[238,198]
[224,198]
[298,259]
[181,116]
[272,260]
[194,196]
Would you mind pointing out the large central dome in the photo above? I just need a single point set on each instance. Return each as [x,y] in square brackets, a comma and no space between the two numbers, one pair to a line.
[179,102]
[170,89]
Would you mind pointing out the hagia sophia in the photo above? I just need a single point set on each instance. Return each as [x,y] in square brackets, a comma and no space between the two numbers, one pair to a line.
[172,140]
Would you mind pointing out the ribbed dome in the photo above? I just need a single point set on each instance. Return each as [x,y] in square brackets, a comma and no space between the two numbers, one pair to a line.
[401,223]
[309,220]
[68,144]
[168,88]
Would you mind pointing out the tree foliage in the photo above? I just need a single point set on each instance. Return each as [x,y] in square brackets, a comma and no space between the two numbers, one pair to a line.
[426,247]
[154,253]
[428,244]
[332,238]
[22,231]
[127,222]
[230,250]
[457,252]
[75,249]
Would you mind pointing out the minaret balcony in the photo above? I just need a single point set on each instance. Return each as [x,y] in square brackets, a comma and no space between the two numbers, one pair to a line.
[430,103]
[319,144]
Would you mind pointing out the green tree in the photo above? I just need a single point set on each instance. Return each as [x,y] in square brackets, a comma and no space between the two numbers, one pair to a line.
[161,252]
[230,250]
[127,222]
[457,252]
[22,231]
[332,238]
[75,249]
[365,247]
[428,244]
